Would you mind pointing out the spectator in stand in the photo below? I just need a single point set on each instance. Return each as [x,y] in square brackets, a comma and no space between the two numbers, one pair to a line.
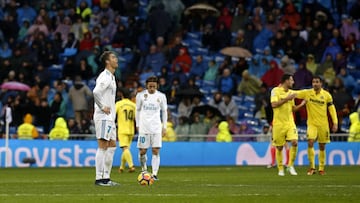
[84,10]
[57,107]
[155,59]
[198,68]
[354,131]
[216,99]
[73,126]
[228,107]
[159,22]
[249,85]
[87,43]
[182,128]
[84,70]
[25,12]
[239,19]
[302,77]
[224,134]
[212,71]
[27,131]
[339,62]
[222,37]
[60,131]
[311,65]
[263,108]
[350,43]
[183,60]
[185,107]
[343,101]
[349,81]
[197,129]
[64,28]
[225,18]
[348,26]
[170,131]
[326,70]
[227,83]
[43,115]
[121,37]
[273,76]
[79,95]
[287,65]
[246,132]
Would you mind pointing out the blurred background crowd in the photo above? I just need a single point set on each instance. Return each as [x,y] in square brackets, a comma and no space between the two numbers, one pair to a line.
[49,59]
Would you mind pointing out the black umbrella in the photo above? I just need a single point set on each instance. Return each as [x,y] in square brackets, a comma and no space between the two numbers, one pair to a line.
[205,108]
[190,92]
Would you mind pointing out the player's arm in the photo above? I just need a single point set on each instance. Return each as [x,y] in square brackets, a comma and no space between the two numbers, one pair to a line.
[301,94]
[333,115]
[98,91]
[297,107]
[164,114]
[138,108]
[276,101]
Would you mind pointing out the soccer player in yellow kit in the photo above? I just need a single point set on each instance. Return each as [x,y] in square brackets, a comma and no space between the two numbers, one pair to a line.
[125,111]
[318,103]
[284,128]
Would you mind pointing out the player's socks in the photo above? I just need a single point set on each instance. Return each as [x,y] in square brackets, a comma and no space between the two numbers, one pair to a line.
[311,157]
[99,163]
[273,154]
[142,160]
[128,158]
[155,163]
[287,154]
[122,161]
[279,159]
[292,155]
[109,156]
[322,159]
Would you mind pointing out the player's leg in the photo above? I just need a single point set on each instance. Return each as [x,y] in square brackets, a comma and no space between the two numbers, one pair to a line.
[155,159]
[126,157]
[279,142]
[143,144]
[322,158]
[312,133]
[292,136]
[287,154]
[324,138]
[99,160]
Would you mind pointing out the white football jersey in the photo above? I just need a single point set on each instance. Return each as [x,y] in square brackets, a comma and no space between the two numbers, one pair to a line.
[149,108]
[104,95]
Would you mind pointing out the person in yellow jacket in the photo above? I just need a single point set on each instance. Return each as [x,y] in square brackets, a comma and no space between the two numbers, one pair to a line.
[170,132]
[27,131]
[354,131]
[60,131]
[224,134]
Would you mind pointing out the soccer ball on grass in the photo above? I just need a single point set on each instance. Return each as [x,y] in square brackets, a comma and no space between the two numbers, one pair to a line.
[145,178]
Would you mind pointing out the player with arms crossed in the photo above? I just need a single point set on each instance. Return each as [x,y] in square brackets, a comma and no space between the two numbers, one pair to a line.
[104,119]
[284,128]
[318,102]
[151,127]
[125,111]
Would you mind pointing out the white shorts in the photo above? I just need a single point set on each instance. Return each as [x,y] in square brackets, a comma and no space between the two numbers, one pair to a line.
[105,129]
[149,140]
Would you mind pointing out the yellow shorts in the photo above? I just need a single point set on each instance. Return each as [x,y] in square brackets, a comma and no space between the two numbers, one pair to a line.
[125,140]
[319,133]
[282,133]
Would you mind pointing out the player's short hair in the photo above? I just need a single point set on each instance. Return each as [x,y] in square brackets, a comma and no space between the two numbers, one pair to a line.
[285,77]
[152,79]
[105,56]
[318,77]
[125,92]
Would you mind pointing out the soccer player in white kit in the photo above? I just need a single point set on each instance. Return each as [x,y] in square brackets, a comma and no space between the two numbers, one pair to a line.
[151,119]
[104,119]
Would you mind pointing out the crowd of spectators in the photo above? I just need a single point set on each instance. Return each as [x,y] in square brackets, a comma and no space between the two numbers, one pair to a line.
[53,46]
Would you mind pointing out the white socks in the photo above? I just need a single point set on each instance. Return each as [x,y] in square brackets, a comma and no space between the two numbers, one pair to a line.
[99,163]
[109,156]
[142,160]
[155,163]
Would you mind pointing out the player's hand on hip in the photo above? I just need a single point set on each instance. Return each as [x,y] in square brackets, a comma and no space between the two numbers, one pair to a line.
[335,127]
[106,110]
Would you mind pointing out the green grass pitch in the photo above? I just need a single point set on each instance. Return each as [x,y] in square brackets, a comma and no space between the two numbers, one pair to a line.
[181,184]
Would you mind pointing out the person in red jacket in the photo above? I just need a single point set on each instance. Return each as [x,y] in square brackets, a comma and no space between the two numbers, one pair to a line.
[183,60]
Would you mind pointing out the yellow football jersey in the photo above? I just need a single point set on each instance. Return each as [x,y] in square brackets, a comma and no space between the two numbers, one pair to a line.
[283,114]
[125,111]
[316,106]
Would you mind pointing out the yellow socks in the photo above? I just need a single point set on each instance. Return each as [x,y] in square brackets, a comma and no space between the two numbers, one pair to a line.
[279,159]
[311,157]
[128,157]
[322,159]
[293,153]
